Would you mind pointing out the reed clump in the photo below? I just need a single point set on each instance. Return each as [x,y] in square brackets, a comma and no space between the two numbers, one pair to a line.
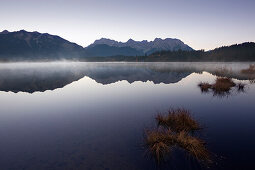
[193,145]
[178,120]
[159,144]
[221,86]
[204,86]
[250,70]
[176,130]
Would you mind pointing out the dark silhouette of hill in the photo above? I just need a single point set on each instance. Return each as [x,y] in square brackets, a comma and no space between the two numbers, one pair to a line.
[237,52]
[23,45]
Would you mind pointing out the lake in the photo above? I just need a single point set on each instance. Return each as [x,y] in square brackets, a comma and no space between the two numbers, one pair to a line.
[75,115]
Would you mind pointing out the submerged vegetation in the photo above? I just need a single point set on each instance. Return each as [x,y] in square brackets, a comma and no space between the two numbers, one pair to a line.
[221,87]
[176,131]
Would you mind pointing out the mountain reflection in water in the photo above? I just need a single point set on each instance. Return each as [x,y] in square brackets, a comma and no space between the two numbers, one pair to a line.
[33,77]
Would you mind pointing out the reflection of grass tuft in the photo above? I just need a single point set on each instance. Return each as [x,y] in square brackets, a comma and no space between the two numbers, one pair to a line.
[175,130]
[252,81]
[240,87]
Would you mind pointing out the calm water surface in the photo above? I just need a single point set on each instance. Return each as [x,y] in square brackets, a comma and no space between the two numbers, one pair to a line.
[69,115]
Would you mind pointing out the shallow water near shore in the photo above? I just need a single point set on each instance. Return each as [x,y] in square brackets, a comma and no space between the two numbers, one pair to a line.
[75,115]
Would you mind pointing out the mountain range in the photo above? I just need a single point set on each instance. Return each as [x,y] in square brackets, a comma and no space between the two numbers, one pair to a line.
[146,47]
[22,45]
[34,46]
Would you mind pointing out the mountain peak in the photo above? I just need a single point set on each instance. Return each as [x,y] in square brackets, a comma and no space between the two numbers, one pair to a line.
[103,40]
[130,40]
[4,32]
[157,39]
[22,31]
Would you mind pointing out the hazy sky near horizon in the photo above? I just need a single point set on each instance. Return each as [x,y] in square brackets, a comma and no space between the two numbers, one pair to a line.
[202,24]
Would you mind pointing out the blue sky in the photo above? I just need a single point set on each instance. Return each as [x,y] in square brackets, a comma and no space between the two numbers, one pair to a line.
[202,24]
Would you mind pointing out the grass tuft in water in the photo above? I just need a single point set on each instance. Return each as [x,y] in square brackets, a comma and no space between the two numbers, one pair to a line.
[159,144]
[178,120]
[250,70]
[204,86]
[193,145]
[175,130]
[222,85]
